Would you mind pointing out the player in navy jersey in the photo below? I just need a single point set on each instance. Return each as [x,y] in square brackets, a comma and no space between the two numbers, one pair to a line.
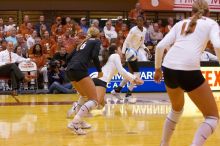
[77,72]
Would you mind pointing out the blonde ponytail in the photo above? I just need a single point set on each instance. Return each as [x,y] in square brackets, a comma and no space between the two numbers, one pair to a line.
[199,8]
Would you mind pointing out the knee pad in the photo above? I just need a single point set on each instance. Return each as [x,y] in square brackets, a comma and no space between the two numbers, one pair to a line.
[212,122]
[174,115]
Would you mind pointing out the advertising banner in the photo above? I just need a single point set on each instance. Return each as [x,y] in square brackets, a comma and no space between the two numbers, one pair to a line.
[177,5]
[212,75]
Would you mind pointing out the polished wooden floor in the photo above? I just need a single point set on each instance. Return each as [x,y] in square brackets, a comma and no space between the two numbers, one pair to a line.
[40,120]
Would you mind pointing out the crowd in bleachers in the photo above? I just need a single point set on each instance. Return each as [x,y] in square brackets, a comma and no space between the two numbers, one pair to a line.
[48,45]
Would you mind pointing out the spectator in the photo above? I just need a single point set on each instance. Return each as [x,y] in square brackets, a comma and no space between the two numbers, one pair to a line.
[161,27]
[31,39]
[68,24]
[3,44]
[43,28]
[54,73]
[23,27]
[65,88]
[56,47]
[170,25]
[95,23]
[12,37]
[9,68]
[83,25]
[18,51]
[47,42]
[124,29]
[2,26]
[149,28]
[109,30]
[10,24]
[119,23]
[68,40]
[61,56]
[120,39]
[104,42]
[134,13]
[23,44]
[41,23]
[156,35]
[40,59]
[55,26]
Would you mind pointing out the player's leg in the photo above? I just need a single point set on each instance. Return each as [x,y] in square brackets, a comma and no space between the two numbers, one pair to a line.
[204,100]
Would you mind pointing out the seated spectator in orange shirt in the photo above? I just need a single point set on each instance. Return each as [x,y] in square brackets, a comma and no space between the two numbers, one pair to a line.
[40,59]
[120,39]
[134,13]
[47,42]
[170,25]
[59,31]
[68,23]
[55,26]
[28,31]
[118,24]
[104,41]
[56,47]
[124,29]
[68,40]
[2,28]
[76,29]
[23,27]
[161,27]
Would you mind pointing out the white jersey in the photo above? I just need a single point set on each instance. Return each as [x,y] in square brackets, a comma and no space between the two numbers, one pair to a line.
[113,67]
[186,50]
[135,39]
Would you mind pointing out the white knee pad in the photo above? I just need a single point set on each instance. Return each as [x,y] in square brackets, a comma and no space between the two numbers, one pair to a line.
[174,115]
[212,122]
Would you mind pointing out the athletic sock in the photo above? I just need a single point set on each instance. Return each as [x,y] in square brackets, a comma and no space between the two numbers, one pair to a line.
[169,126]
[84,110]
[80,102]
[205,130]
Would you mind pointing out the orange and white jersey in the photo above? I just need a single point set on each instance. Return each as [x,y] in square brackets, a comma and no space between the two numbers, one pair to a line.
[186,50]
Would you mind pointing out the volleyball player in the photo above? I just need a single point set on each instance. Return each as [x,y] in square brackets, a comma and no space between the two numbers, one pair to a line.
[77,72]
[112,66]
[181,70]
[134,40]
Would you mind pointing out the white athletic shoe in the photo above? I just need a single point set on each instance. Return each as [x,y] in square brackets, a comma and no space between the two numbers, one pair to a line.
[72,110]
[76,127]
[117,95]
[132,99]
[85,125]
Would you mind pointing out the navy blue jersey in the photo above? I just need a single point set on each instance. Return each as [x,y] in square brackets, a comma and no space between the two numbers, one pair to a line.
[89,51]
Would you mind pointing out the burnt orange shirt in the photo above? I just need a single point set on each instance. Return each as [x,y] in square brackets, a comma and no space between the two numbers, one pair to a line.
[40,60]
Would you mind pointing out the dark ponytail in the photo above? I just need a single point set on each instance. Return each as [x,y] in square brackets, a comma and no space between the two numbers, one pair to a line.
[107,53]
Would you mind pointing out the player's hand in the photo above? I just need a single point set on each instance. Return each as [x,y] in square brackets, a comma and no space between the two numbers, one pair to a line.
[158,75]
[100,74]
[138,81]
